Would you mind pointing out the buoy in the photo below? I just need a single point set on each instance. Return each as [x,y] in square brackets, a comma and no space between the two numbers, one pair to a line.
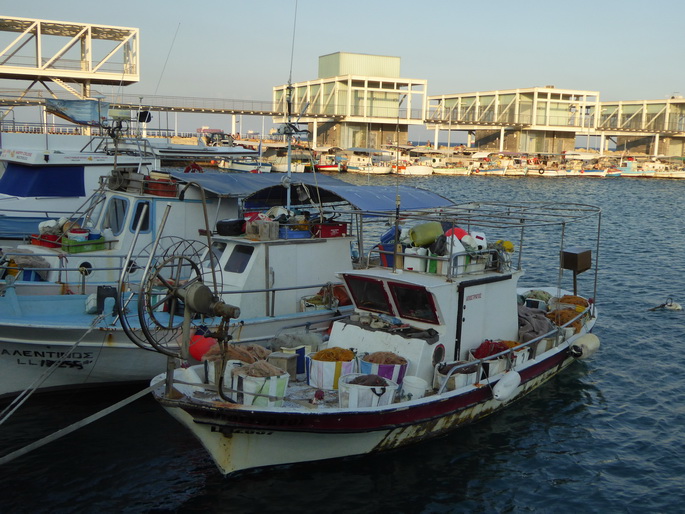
[505,388]
[585,346]
[669,305]
[199,345]
[456,231]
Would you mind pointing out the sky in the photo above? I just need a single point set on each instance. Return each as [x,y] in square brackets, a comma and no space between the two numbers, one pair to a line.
[625,50]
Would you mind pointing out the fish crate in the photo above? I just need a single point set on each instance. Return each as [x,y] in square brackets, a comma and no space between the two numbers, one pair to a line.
[92,245]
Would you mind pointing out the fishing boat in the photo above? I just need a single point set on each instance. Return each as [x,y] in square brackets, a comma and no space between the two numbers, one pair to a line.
[442,335]
[279,269]
[40,183]
[367,160]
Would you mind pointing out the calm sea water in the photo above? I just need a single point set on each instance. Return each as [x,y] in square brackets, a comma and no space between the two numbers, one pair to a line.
[606,436]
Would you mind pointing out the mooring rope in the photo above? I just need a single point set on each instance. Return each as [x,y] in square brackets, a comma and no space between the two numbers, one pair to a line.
[71,428]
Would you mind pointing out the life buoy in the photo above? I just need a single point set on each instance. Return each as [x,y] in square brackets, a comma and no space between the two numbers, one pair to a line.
[541,171]
[193,168]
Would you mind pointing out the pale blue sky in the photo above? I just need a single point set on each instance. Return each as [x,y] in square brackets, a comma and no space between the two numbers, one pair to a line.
[626,50]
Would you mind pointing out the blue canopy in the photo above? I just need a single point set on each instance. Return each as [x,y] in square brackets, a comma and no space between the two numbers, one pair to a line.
[267,190]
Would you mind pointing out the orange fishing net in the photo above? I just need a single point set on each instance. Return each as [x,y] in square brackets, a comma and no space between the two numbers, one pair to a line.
[573,300]
[510,344]
[385,358]
[333,354]
[563,316]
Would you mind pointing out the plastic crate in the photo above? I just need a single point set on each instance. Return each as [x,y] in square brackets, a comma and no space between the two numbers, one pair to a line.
[71,246]
[47,240]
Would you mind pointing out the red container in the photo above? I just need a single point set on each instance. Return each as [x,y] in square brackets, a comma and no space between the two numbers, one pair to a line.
[330,230]
[160,187]
[48,240]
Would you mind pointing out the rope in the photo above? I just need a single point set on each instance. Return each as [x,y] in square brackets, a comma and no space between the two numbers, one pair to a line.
[26,393]
[71,428]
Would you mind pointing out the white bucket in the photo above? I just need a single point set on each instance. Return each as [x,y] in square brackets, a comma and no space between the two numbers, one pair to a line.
[78,234]
[413,388]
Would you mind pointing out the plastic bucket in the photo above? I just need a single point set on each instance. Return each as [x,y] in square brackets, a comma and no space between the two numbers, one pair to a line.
[78,234]
[413,387]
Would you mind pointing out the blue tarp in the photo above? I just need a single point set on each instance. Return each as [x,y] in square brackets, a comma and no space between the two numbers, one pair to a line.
[266,190]
[30,181]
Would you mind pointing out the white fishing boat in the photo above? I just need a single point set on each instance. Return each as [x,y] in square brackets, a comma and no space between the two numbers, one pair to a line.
[367,160]
[281,277]
[43,181]
[440,339]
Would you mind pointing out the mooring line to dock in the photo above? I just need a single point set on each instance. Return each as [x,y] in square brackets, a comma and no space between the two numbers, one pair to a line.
[71,428]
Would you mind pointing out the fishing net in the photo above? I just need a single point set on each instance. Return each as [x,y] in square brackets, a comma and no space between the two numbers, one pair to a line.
[259,369]
[369,380]
[334,354]
[385,358]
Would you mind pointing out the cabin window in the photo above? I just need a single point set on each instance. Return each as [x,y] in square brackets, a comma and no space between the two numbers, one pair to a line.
[369,294]
[145,226]
[115,215]
[218,250]
[240,257]
[414,302]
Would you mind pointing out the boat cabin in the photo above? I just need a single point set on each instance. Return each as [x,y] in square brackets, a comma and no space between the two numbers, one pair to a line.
[438,320]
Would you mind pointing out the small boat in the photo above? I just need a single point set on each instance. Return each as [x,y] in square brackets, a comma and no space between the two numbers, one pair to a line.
[367,160]
[246,165]
[442,335]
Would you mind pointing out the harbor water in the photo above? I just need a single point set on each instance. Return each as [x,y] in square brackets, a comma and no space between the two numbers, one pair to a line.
[605,436]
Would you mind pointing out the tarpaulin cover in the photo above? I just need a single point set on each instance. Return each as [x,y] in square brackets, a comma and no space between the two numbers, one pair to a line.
[29,181]
[267,190]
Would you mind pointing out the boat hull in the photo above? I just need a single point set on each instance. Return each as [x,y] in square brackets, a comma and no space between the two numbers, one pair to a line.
[241,438]
[104,355]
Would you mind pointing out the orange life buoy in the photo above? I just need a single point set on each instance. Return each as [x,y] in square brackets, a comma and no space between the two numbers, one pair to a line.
[193,168]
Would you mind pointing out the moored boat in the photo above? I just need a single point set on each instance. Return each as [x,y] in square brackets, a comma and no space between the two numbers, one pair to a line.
[53,339]
[460,337]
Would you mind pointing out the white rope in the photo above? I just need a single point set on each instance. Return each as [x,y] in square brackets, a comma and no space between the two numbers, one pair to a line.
[26,393]
[71,428]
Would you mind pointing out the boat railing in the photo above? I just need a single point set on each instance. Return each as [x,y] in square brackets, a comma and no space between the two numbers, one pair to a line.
[328,299]
[458,263]
[532,345]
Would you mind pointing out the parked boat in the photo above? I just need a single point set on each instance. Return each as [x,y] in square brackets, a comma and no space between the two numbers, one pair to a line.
[436,342]
[367,160]
[40,184]
[52,339]
[246,165]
